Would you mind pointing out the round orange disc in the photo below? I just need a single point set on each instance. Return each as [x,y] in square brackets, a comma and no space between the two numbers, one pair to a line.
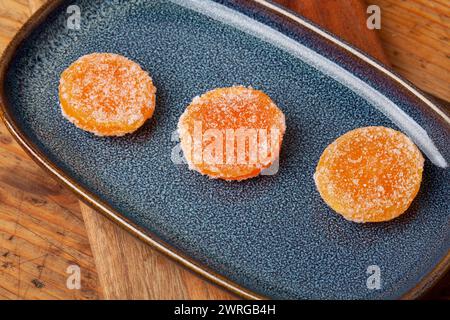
[370,174]
[106,94]
[231,133]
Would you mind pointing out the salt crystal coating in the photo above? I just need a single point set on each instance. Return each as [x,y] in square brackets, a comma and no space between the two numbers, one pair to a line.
[370,174]
[106,94]
[231,133]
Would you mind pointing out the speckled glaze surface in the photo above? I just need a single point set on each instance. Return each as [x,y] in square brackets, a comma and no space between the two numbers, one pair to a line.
[272,235]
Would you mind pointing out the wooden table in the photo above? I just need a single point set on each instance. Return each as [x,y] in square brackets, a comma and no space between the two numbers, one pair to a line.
[44,229]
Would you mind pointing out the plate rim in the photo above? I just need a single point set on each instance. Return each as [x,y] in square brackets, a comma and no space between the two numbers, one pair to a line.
[430,279]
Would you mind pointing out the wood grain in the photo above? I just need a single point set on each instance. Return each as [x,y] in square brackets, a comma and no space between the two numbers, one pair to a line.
[344,18]
[41,226]
[416,38]
[415,35]
[41,232]
[130,269]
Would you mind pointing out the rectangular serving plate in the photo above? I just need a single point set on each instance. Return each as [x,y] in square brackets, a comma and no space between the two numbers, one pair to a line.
[215,44]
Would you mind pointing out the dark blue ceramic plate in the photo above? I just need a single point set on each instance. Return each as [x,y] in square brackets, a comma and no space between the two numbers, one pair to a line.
[271,236]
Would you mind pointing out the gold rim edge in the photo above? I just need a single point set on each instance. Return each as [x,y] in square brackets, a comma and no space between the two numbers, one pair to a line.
[426,282]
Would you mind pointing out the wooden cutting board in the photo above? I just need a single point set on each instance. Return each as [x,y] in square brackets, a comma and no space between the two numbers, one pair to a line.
[128,268]
[41,226]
